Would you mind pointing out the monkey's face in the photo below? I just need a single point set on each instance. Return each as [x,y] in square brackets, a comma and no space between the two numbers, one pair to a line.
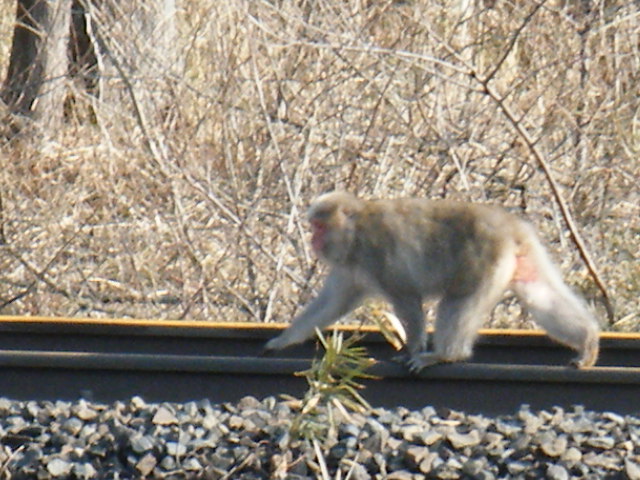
[331,238]
[325,233]
[332,226]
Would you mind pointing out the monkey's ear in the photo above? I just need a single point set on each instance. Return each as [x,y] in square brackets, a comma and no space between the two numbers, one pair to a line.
[347,210]
[343,215]
[349,207]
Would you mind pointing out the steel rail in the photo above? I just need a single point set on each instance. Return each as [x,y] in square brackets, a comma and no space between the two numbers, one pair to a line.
[247,339]
[52,359]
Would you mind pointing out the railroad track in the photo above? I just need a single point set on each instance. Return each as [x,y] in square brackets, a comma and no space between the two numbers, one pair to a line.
[51,359]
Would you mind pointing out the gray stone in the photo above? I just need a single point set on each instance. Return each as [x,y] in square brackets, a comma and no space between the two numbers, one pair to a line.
[168,463]
[73,425]
[84,471]
[632,469]
[430,437]
[604,442]
[58,467]
[176,449]
[552,445]
[355,471]
[415,455]
[429,463]
[142,443]
[517,468]
[192,464]
[412,433]
[400,475]
[164,416]
[557,472]
[146,464]
[462,440]
[572,456]
[83,411]
[474,467]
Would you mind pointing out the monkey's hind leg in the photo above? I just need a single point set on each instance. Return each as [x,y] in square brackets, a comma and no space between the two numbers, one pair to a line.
[459,317]
[457,324]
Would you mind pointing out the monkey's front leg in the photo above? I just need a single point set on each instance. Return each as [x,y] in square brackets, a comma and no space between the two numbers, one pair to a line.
[409,311]
[339,295]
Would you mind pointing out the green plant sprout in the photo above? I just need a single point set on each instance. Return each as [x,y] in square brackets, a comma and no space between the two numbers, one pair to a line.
[334,382]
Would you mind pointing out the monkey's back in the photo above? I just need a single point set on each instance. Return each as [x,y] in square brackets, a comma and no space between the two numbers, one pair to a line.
[432,245]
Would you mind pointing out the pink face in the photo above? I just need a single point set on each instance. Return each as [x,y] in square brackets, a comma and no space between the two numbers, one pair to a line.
[318,232]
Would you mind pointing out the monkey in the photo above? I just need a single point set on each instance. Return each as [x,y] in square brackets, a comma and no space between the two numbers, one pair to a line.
[464,254]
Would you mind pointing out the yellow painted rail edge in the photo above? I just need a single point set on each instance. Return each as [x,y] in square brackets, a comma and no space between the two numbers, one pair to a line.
[132,322]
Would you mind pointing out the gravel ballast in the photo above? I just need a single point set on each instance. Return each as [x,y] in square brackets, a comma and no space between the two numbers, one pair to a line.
[251,440]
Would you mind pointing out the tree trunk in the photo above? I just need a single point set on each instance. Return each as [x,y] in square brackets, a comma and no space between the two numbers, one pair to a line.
[35,82]
[123,51]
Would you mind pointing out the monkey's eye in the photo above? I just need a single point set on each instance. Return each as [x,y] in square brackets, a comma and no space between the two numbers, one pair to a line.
[320,216]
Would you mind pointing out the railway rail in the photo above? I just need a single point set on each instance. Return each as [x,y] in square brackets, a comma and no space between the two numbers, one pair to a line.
[107,360]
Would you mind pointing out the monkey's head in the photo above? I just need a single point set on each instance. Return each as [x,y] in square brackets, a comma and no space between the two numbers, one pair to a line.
[332,219]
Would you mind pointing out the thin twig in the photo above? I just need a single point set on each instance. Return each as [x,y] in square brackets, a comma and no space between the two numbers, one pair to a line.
[321,461]
[251,457]
[4,468]
[3,238]
[514,39]
[40,275]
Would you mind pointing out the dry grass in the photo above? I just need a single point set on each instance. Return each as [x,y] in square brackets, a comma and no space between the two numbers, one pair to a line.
[280,101]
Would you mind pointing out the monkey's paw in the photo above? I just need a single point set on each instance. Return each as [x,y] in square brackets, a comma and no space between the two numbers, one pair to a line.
[266,352]
[422,360]
[580,363]
[274,344]
[278,343]
[589,355]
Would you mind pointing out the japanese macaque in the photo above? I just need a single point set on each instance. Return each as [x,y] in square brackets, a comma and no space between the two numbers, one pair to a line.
[410,250]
